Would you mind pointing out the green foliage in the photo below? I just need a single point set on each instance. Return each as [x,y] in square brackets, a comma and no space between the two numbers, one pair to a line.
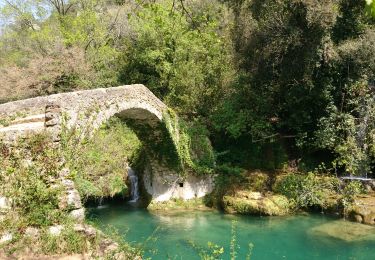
[191,142]
[278,58]
[257,181]
[297,60]
[350,191]
[25,177]
[313,190]
[350,134]
[183,59]
[233,242]
[100,167]
[370,6]
[29,171]
[245,153]
[49,49]
[68,242]
[213,251]
[308,190]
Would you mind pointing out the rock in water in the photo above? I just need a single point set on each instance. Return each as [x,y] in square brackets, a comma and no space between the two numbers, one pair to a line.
[363,209]
[345,230]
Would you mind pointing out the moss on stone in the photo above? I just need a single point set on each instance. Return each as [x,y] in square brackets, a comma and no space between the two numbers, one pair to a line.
[363,209]
[257,181]
[344,230]
[255,203]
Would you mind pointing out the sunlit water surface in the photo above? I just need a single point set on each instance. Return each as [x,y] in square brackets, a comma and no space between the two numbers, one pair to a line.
[273,237]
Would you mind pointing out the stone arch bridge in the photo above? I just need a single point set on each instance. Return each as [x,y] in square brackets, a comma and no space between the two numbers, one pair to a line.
[87,110]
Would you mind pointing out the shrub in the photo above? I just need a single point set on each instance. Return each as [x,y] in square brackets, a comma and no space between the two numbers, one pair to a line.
[27,172]
[99,165]
[350,191]
[307,190]
[192,145]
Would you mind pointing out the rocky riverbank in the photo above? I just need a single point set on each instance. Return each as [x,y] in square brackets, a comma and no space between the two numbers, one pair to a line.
[282,193]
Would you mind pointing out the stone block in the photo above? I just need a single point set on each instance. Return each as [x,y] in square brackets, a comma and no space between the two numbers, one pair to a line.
[78,214]
[55,230]
[32,232]
[74,199]
[4,204]
[88,230]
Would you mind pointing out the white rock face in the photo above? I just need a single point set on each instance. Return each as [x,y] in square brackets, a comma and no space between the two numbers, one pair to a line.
[163,186]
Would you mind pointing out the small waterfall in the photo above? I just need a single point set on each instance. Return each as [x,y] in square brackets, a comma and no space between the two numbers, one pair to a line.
[133,178]
[101,206]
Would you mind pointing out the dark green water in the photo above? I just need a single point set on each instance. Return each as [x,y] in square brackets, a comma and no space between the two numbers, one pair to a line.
[273,237]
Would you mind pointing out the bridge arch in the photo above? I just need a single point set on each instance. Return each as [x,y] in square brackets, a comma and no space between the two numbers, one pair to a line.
[87,110]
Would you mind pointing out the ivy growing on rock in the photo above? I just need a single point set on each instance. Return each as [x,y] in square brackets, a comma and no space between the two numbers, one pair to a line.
[195,153]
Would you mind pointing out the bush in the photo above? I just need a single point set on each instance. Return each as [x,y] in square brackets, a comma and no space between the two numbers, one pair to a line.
[194,149]
[308,190]
[350,191]
[27,172]
[45,75]
[99,165]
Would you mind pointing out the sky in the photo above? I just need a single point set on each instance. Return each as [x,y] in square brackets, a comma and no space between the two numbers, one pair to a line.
[2,3]
[3,21]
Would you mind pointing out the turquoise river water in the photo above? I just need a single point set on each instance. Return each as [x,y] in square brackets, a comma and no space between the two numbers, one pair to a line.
[291,237]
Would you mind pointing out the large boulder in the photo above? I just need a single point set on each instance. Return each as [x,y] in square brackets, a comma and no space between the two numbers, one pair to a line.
[256,203]
[363,209]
